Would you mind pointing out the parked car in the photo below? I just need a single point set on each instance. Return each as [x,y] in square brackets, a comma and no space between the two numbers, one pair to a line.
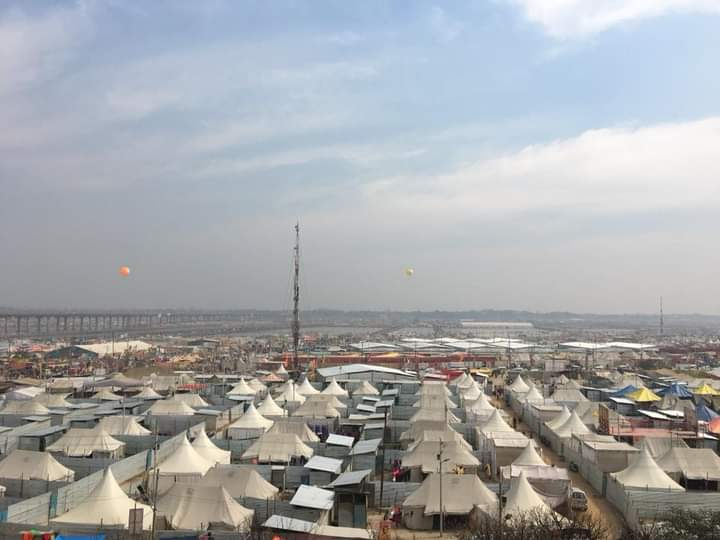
[578,501]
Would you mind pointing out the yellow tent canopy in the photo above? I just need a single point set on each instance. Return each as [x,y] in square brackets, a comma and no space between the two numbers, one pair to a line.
[644,395]
[705,390]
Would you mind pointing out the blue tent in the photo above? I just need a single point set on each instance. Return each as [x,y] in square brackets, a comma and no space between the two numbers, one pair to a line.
[629,389]
[705,413]
[675,389]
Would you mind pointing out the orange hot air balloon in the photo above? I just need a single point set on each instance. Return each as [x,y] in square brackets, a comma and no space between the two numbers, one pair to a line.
[124,271]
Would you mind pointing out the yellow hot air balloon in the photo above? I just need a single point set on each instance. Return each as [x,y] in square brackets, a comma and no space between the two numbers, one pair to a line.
[409,272]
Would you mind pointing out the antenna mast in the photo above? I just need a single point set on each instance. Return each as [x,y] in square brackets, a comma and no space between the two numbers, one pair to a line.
[296,298]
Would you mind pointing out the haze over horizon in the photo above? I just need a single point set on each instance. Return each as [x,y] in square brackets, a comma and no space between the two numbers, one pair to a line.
[518,154]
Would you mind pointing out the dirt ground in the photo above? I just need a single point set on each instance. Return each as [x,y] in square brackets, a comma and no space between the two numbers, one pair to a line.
[374,519]
[598,506]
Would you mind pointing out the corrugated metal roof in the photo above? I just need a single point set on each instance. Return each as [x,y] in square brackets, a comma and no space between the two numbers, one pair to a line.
[374,425]
[366,408]
[391,392]
[350,478]
[313,497]
[365,447]
[288,524]
[340,440]
[385,403]
[321,463]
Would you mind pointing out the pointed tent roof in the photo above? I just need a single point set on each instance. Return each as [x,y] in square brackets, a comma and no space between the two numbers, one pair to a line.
[148,393]
[435,414]
[529,456]
[122,425]
[306,389]
[560,419]
[496,423]
[25,407]
[170,407]
[196,507]
[316,409]
[705,413]
[645,473]
[643,395]
[418,428]
[472,392]
[446,435]
[463,492]
[467,382]
[292,427]
[329,398]
[31,465]
[184,460]
[675,389]
[424,455]
[366,389]
[533,395]
[281,370]
[519,386]
[257,385]
[568,395]
[284,386]
[562,379]
[572,426]
[625,390]
[242,389]
[252,419]
[79,442]
[481,404]
[692,463]
[268,407]
[207,449]
[106,504]
[240,481]
[334,389]
[52,401]
[522,498]
[435,402]
[277,447]
[118,380]
[191,399]
[459,379]
[106,394]
[433,387]
[290,395]
[705,390]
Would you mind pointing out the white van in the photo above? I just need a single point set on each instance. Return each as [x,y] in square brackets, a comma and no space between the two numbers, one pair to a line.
[577,500]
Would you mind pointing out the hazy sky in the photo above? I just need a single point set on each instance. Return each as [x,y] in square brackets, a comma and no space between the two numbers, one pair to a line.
[528,154]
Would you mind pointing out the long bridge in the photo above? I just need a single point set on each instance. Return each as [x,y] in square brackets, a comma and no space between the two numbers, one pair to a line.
[33,324]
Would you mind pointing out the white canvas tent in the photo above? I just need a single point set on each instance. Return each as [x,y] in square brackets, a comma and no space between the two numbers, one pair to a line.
[147,394]
[334,389]
[242,389]
[471,393]
[424,456]
[317,409]
[240,481]
[277,448]
[106,394]
[645,473]
[446,435]
[522,499]
[95,442]
[435,401]
[257,385]
[519,386]
[28,407]
[529,457]
[185,464]
[434,415]
[328,398]
[123,425]
[433,388]
[31,465]
[290,395]
[691,464]
[306,389]
[207,449]
[200,507]
[249,426]
[572,426]
[52,401]
[268,408]
[107,505]
[366,389]
[418,428]
[170,407]
[559,420]
[291,427]
[191,399]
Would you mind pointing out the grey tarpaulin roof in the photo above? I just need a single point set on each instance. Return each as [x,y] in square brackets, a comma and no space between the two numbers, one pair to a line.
[365,447]
[313,497]
[321,463]
[350,478]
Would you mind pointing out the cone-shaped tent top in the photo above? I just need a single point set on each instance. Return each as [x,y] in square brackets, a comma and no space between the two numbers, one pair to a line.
[122,425]
[463,377]
[332,400]
[52,401]
[436,401]
[533,396]
[278,448]
[433,388]
[242,389]
[281,370]
[424,455]
[560,419]
[562,380]
[496,423]
[334,389]
[644,473]
[462,493]
[643,395]
[434,415]
[79,442]
[366,389]
[418,428]
[572,426]
[252,419]
[207,449]
[316,409]
[268,407]
[705,390]
[522,498]
[446,435]
[197,508]
[290,395]
[148,393]
[240,481]
[472,392]
[185,460]
[467,382]
[284,386]
[704,413]
[25,407]
[519,386]
[191,399]
[170,407]
[106,504]
[480,405]
[624,391]
[291,427]
[106,394]
[31,465]
[675,389]
[257,385]
[529,456]
[306,389]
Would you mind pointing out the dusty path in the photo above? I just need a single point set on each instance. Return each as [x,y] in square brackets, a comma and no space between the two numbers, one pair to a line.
[599,507]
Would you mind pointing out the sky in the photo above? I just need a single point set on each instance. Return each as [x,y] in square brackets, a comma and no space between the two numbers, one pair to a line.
[517,154]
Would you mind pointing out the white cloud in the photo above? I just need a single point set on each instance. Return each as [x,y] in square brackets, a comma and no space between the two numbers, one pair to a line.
[577,18]
[443,25]
[34,49]
[600,172]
